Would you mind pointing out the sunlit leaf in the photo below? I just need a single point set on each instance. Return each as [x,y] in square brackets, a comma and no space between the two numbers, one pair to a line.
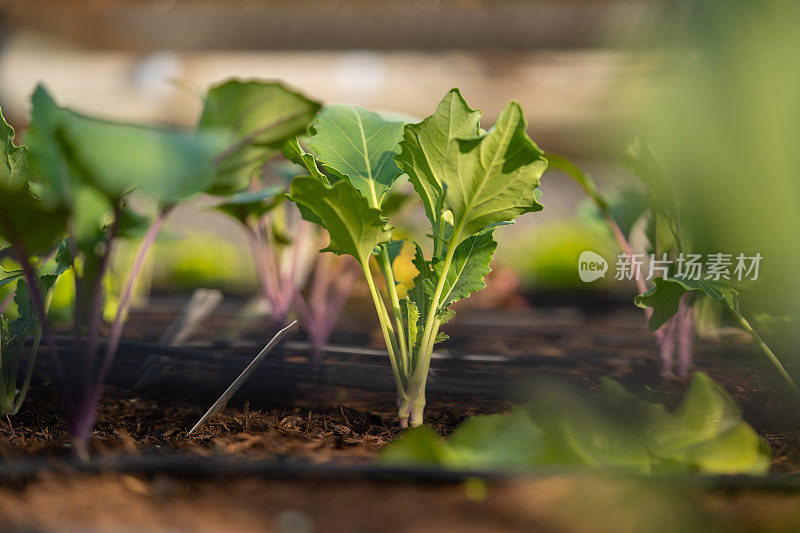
[359,144]
[492,178]
[425,144]
[354,227]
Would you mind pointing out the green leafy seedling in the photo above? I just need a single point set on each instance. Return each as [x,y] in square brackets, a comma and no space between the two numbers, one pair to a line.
[470,182]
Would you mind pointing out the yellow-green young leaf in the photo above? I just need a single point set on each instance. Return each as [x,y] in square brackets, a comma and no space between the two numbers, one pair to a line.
[707,433]
[354,227]
[261,116]
[360,145]
[416,446]
[411,314]
[12,159]
[665,294]
[492,178]
[707,409]
[471,262]
[425,144]
[737,451]
[424,285]
[495,441]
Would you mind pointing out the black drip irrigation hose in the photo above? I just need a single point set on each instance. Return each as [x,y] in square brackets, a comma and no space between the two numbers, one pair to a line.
[195,467]
[209,370]
[232,350]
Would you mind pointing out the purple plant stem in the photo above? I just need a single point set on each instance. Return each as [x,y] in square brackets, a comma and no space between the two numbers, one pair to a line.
[340,292]
[258,258]
[81,419]
[685,339]
[310,325]
[329,292]
[666,346]
[125,299]
[96,305]
[277,300]
[665,337]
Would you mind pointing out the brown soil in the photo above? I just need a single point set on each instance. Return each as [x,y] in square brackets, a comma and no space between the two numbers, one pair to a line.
[330,424]
[136,423]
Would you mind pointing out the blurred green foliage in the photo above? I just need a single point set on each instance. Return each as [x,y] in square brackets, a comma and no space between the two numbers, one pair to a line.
[724,118]
[202,260]
[608,429]
[546,256]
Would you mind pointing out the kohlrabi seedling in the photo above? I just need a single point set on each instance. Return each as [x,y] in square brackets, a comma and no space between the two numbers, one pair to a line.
[470,182]
[282,243]
[671,302]
[76,182]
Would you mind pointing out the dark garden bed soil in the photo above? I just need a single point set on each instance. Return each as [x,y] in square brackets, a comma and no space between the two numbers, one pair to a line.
[348,425]
[343,408]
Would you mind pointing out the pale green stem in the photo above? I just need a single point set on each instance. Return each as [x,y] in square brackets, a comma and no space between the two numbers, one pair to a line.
[416,383]
[391,287]
[451,249]
[386,328]
[23,391]
[763,345]
[416,405]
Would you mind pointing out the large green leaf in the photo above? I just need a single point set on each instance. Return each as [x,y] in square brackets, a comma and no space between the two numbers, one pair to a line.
[665,294]
[425,144]
[708,433]
[707,409]
[50,166]
[69,149]
[355,228]
[12,159]
[167,165]
[471,262]
[262,116]
[492,178]
[354,142]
